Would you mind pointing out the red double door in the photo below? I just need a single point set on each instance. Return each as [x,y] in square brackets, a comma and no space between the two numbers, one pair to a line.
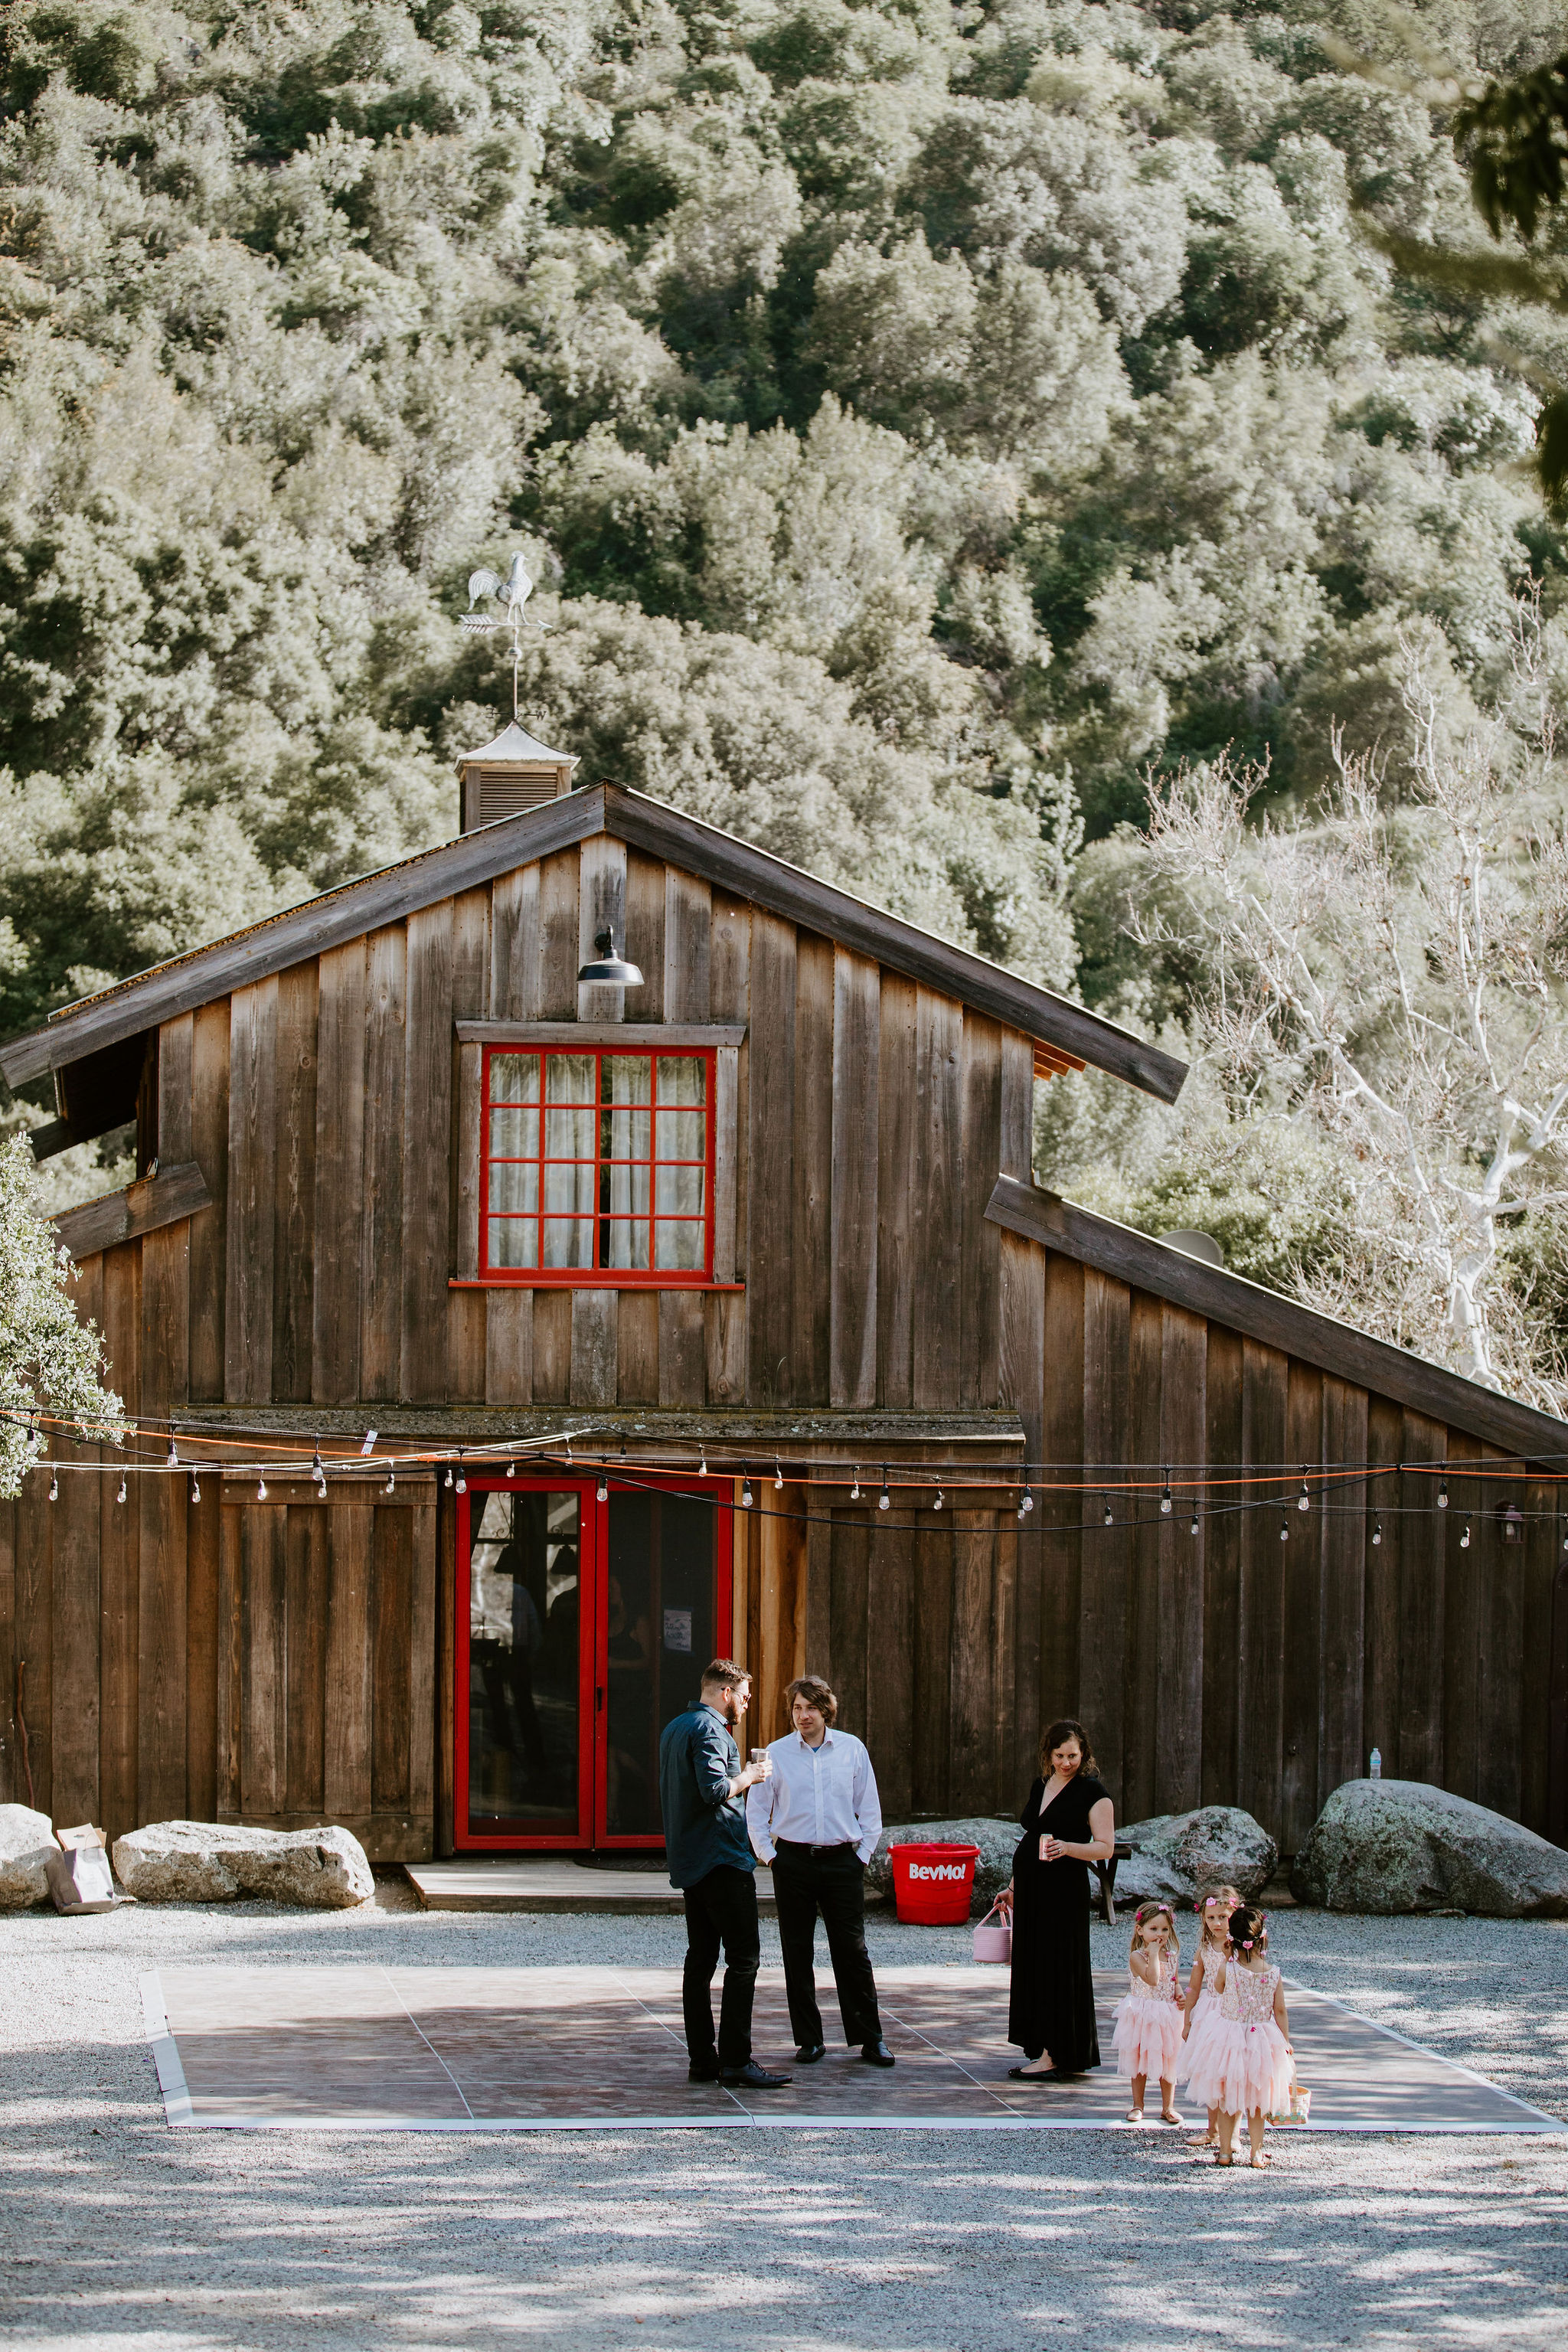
[582,1625]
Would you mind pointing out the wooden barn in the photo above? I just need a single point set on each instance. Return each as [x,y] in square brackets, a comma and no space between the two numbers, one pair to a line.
[651,1292]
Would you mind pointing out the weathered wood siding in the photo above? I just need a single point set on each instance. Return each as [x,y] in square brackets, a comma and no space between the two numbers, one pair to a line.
[277,1661]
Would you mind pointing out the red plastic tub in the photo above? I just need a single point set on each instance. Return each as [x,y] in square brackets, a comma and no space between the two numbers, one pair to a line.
[933,1884]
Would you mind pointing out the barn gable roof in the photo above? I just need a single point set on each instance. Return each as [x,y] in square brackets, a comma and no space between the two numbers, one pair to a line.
[1069,1036]
[1278,1322]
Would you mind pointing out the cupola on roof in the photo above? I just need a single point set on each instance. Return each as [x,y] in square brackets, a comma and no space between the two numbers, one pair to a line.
[512,772]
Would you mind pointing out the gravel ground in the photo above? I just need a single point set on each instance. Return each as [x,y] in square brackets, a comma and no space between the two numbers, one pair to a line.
[115,2232]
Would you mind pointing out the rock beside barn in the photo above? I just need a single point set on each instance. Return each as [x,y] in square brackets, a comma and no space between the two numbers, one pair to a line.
[1388,1846]
[202,1862]
[997,1840]
[1175,1855]
[26,1842]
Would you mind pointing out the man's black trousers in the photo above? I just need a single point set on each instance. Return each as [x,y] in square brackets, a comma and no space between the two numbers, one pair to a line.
[720,1909]
[829,1881]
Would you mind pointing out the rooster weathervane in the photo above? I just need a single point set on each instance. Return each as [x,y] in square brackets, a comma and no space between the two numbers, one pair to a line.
[511,594]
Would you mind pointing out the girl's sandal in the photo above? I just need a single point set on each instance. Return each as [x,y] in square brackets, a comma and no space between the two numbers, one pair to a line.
[1173,2119]
[1201,2143]
[1261,2161]
[1225,2160]
[1135,2114]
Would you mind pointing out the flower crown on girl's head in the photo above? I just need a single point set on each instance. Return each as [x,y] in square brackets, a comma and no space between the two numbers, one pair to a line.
[1154,1911]
[1245,1942]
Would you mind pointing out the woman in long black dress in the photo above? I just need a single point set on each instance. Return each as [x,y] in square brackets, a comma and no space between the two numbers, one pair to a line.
[1069,1822]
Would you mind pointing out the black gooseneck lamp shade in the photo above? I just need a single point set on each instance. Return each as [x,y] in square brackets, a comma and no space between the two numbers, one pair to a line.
[609,970]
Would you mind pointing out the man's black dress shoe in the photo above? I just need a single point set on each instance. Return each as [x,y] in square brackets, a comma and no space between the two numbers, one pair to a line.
[808,2053]
[703,2074]
[751,2077]
[876,2054]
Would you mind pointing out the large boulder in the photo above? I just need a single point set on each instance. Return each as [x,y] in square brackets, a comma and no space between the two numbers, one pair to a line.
[1402,1845]
[202,1862]
[26,1842]
[997,1840]
[1173,1854]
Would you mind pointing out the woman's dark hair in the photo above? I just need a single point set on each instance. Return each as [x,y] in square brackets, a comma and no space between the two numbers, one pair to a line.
[1247,1927]
[1056,1735]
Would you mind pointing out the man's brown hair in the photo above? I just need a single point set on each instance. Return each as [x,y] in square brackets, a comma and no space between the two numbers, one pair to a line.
[812,1687]
[725,1671]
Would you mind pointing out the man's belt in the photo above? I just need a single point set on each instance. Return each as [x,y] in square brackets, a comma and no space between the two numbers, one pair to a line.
[793,1845]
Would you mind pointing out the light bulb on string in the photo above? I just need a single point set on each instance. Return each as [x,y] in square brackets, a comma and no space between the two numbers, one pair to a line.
[1193,1527]
[940,1498]
[569,1462]
[702,1462]
[511,1469]
[746,1489]
[1284,1528]
[855,1489]
[884,1500]
[778,1476]
[173,1461]
[1377,1532]
[1304,1499]
[1108,1518]
[1166,1504]
[602,1491]
[1028,1499]
[391,1485]
[316,1470]
[1465,1538]
[195,1488]
[1442,1494]
[261,1490]
[462,1482]
[448,1474]
[53,1486]
[1566,1538]
[121,1497]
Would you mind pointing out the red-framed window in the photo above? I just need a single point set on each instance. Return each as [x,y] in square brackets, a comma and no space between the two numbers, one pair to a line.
[597,1166]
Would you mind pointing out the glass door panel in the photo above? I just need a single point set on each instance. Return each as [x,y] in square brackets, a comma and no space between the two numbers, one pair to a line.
[525,1639]
[661,1627]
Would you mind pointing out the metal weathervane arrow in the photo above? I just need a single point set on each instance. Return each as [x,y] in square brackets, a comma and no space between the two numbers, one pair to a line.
[511,594]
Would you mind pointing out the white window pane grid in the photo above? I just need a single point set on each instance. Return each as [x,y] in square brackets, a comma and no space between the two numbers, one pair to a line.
[621,1126]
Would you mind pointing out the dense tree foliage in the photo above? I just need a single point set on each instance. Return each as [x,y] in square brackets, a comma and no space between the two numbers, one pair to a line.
[921,420]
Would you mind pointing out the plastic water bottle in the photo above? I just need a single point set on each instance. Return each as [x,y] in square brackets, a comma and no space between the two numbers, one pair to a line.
[1376,1772]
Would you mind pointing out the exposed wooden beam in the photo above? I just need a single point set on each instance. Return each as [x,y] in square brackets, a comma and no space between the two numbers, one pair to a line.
[140,1208]
[574,1035]
[767,881]
[1296,1331]
[142,1003]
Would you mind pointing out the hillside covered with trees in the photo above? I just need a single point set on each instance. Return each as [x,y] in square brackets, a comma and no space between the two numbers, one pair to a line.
[924,422]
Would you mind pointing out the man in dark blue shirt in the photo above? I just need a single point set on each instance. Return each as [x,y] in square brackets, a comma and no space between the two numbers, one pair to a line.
[701,1783]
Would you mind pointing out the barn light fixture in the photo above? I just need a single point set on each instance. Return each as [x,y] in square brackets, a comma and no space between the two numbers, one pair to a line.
[1166,1504]
[609,970]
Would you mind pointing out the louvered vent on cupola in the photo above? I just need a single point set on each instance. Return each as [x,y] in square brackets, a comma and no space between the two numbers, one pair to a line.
[512,773]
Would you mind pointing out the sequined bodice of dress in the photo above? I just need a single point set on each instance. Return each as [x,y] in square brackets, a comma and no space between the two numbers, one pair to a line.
[1142,1990]
[1249,2000]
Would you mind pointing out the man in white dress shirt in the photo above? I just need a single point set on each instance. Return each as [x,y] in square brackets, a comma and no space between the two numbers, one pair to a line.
[816,1820]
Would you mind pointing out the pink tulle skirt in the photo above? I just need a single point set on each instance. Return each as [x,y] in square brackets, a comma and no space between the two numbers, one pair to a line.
[1206,2015]
[1240,2068]
[1148,2038]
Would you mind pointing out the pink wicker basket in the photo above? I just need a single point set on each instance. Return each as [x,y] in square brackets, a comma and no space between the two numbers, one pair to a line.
[994,1943]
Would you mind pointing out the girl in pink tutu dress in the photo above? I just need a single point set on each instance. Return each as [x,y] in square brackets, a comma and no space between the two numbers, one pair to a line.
[1147,2036]
[1243,2064]
[1214,1908]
